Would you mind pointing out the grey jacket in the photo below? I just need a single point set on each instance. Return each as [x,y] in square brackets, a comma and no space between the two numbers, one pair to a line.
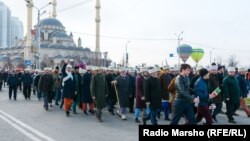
[182,89]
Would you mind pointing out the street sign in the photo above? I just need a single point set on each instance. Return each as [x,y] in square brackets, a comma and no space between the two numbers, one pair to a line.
[171,55]
[27,62]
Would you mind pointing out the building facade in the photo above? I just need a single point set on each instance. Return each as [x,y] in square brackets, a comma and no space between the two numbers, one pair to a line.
[16,30]
[5,26]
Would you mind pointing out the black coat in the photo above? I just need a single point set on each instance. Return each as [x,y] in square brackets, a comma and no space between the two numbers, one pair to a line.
[26,79]
[153,92]
[86,96]
[132,81]
[12,80]
[36,80]
[111,88]
[69,87]
[124,90]
[46,83]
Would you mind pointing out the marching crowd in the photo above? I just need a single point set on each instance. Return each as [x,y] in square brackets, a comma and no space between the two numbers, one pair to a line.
[189,93]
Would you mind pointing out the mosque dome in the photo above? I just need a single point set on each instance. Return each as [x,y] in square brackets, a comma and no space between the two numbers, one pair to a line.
[50,22]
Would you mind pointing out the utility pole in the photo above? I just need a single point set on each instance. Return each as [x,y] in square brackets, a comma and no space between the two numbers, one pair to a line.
[179,42]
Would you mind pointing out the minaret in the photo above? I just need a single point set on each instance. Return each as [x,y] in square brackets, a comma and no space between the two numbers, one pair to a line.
[79,42]
[54,3]
[27,48]
[97,20]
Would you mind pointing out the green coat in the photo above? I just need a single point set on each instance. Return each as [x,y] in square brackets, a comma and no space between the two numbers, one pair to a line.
[231,89]
[99,90]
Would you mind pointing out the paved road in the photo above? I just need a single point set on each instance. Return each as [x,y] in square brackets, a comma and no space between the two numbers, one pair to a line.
[27,120]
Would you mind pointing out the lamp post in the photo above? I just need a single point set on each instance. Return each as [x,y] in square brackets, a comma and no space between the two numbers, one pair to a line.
[179,42]
[126,64]
[39,14]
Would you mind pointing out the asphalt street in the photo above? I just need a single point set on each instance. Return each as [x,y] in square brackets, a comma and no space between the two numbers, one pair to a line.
[25,120]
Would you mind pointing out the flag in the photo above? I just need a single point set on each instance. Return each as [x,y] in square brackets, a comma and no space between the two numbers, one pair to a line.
[217,91]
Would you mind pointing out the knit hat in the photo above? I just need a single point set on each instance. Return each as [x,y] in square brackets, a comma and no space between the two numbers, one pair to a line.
[203,72]
[57,68]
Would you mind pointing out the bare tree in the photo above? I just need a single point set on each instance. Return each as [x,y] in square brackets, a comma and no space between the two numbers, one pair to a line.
[219,60]
[232,61]
[8,64]
[47,62]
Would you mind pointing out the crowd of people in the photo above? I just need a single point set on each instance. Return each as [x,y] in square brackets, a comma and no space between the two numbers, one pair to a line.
[192,94]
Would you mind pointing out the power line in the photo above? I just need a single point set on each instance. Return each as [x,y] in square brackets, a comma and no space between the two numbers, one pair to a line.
[213,47]
[74,6]
[124,38]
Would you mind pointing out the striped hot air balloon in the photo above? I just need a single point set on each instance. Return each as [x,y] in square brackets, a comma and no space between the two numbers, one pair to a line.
[184,51]
[197,54]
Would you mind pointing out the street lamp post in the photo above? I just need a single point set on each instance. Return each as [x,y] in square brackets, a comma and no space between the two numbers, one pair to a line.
[37,55]
[127,54]
[179,42]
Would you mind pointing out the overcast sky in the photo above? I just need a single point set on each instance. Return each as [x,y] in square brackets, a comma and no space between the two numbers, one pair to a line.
[219,24]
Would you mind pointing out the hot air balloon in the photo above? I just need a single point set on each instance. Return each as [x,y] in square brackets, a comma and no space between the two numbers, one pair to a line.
[197,54]
[184,51]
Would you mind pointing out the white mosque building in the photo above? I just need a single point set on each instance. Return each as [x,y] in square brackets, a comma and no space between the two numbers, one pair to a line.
[55,45]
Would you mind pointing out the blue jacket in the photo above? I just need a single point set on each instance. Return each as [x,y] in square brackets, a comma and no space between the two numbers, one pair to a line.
[12,80]
[201,89]
[243,85]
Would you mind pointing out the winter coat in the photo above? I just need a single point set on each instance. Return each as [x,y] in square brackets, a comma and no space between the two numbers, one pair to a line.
[140,92]
[182,89]
[99,90]
[171,89]
[214,83]
[69,86]
[132,82]
[26,79]
[201,90]
[46,83]
[231,89]
[36,80]
[12,80]
[153,92]
[124,90]
[165,80]
[111,88]
[86,96]
[57,81]
[192,82]
[243,85]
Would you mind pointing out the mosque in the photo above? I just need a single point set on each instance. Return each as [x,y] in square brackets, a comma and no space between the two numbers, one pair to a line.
[55,45]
